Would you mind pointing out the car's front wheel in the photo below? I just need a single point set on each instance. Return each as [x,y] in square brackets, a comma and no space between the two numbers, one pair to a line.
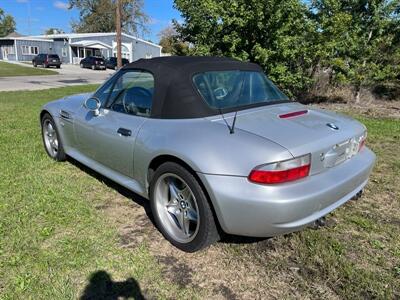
[51,139]
[181,209]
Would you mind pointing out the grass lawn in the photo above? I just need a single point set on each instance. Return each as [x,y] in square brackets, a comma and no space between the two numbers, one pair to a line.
[67,232]
[9,69]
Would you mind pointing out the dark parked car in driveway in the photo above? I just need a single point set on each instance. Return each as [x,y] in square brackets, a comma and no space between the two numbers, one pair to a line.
[46,60]
[111,62]
[93,62]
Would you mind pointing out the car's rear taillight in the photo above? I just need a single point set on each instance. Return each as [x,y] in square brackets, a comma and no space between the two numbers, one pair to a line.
[282,171]
[362,140]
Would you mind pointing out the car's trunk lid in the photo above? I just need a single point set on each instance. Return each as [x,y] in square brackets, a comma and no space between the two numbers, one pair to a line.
[312,131]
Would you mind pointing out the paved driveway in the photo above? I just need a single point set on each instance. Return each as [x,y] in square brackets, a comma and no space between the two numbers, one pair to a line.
[68,75]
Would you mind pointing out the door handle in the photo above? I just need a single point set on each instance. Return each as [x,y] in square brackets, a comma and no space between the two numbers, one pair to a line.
[124,132]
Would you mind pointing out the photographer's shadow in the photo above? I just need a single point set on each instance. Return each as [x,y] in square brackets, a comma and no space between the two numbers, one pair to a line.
[102,287]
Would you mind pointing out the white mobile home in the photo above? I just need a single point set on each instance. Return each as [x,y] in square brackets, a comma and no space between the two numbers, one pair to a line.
[72,47]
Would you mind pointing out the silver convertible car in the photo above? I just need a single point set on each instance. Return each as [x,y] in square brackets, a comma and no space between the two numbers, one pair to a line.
[214,146]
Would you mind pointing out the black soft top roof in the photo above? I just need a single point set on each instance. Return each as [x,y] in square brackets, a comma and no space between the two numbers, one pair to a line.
[175,96]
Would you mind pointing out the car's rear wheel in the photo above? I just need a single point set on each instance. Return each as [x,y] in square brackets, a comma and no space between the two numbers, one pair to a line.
[51,139]
[181,209]
[34,64]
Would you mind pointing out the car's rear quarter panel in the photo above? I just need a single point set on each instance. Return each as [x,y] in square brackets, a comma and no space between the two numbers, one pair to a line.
[205,146]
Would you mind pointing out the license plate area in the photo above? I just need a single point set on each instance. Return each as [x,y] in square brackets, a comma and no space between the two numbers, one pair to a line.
[341,152]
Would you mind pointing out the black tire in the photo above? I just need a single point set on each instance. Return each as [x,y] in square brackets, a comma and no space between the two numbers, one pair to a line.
[207,233]
[58,67]
[60,155]
[34,64]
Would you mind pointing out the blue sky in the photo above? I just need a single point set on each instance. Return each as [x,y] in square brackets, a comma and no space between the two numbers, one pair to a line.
[33,17]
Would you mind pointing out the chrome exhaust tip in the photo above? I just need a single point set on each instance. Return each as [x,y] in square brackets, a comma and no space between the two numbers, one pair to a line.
[357,196]
[321,222]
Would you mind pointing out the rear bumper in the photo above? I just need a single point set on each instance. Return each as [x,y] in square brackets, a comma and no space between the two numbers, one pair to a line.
[248,209]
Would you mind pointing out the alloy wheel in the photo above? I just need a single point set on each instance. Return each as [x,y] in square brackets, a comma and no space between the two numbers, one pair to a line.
[177,207]
[50,138]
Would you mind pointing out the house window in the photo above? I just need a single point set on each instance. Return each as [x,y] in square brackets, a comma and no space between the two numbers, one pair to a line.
[34,50]
[81,52]
[25,50]
[124,52]
[30,50]
[64,52]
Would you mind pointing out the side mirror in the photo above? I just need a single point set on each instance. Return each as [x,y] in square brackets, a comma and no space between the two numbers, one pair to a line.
[93,104]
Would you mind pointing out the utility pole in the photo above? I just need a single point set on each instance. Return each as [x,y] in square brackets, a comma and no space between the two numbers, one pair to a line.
[118,37]
[29,18]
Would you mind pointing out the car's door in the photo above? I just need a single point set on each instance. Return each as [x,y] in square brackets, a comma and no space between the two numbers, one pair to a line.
[39,59]
[109,63]
[109,138]
[84,119]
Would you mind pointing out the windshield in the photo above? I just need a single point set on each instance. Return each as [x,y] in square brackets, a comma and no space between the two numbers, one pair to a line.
[231,89]
[53,56]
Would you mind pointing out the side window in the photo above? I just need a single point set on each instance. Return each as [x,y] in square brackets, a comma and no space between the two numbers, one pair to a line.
[133,93]
[104,91]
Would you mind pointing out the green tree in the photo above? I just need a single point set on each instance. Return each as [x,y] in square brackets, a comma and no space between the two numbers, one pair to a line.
[99,16]
[52,30]
[7,23]
[358,40]
[171,42]
[276,34]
